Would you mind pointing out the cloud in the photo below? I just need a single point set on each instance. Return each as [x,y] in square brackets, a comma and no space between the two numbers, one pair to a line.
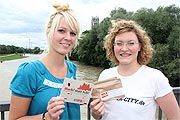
[21,17]
[22,21]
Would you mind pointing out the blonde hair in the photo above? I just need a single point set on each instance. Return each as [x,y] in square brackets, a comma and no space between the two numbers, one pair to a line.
[62,10]
[122,26]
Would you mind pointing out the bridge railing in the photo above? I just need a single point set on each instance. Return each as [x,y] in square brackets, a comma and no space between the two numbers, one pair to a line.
[4,106]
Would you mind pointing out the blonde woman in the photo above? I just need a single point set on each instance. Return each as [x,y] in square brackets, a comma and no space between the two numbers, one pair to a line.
[36,86]
[128,47]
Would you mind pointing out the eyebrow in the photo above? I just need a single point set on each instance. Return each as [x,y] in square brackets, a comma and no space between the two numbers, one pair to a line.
[127,40]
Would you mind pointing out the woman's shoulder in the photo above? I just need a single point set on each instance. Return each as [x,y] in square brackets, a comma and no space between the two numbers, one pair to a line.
[70,65]
[153,73]
[109,70]
[108,73]
[29,65]
[152,70]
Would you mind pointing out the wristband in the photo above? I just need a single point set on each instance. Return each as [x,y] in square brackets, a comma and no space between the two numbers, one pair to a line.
[43,116]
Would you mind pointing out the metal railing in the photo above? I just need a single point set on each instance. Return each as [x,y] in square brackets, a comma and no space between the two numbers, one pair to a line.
[4,106]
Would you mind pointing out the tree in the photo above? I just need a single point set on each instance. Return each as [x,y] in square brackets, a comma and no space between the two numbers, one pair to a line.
[82,51]
[171,70]
[174,43]
[161,56]
[3,49]
[20,50]
[102,31]
[145,17]
[36,50]
[120,13]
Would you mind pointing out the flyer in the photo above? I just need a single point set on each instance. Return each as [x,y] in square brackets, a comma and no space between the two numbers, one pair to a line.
[76,91]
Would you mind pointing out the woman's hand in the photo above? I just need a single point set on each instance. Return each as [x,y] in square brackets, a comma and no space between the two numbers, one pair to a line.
[55,108]
[97,107]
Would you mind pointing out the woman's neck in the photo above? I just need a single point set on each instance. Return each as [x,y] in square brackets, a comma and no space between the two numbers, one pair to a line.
[53,60]
[55,65]
[127,70]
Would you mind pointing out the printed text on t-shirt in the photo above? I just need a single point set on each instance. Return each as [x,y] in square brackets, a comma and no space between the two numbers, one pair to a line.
[131,100]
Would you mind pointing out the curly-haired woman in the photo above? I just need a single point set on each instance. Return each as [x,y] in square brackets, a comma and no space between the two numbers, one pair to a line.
[129,47]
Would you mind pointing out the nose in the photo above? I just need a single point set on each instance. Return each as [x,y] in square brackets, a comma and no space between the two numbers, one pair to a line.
[68,36]
[124,47]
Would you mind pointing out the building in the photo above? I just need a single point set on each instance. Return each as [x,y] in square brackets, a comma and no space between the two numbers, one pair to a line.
[95,20]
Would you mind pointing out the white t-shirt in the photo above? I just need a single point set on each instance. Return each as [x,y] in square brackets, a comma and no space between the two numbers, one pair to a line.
[141,90]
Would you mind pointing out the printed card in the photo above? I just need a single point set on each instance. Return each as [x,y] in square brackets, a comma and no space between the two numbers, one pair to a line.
[76,91]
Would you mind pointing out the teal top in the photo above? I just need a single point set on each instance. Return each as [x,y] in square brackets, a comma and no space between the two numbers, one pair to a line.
[33,80]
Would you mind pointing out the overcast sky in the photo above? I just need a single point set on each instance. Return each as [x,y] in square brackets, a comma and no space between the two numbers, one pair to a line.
[22,22]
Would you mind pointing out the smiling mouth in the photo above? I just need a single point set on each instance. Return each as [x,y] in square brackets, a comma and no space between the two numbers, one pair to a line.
[65,44]
[125,55]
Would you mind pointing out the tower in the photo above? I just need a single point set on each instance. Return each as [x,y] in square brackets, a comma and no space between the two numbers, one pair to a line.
[95,20]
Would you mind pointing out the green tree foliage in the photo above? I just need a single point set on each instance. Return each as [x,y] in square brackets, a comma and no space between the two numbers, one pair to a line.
[174,43]
[158,23]
[10,49]
[161,56]
[87,43]
[3,49]
[162,25]
[145,17]
[102,31]
[120,13]
[36,50]
[171,70]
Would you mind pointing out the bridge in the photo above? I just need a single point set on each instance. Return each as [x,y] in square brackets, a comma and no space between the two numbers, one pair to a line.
[4,106]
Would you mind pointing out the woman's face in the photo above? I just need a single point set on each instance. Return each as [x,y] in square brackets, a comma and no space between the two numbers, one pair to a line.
[64,38]
[126,48]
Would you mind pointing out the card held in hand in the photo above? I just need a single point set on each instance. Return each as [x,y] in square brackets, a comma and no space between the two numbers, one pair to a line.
[76,91]
[108,89]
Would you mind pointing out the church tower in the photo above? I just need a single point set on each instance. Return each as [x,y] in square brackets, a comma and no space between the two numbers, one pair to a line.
[95,20]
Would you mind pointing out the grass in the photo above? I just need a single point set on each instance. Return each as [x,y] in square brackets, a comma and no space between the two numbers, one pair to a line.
[5,57]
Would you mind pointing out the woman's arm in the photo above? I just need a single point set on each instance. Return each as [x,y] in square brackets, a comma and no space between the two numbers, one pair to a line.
[169,106]
[19,107]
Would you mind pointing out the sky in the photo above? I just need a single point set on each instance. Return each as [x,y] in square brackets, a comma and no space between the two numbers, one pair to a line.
[22,22]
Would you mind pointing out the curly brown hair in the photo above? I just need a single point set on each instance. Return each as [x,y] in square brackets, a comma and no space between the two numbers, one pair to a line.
[121,26]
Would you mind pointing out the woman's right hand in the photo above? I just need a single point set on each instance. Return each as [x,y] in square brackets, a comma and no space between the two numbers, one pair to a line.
[97,107]
[55,108]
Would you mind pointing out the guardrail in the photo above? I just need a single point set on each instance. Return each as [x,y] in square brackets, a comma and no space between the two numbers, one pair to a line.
[4,106]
